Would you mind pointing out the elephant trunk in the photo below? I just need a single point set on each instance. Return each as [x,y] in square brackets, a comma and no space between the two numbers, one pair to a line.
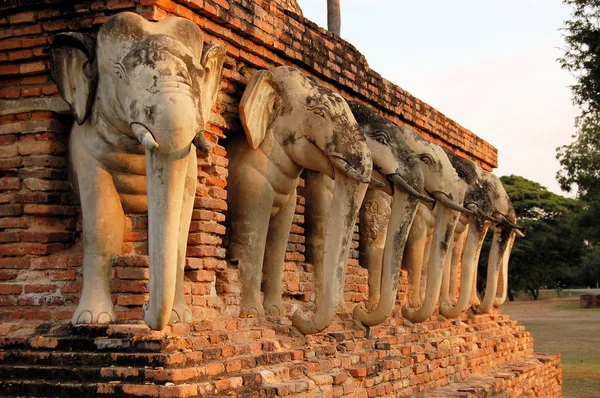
[166,175]
[169,149]
[443,232]
[503,281]
[347,197]
[404,207]
[499,245]
[472,250]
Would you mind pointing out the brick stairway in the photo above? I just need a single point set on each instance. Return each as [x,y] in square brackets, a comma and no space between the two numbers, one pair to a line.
[267,357]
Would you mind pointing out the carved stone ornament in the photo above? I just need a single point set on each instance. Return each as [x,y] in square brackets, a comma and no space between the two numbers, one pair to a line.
[141,96]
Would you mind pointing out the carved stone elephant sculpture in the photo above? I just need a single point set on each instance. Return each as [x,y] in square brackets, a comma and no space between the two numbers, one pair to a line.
[291,123]
[468,239]
[141,96]
[430,236]
[505,231]
[491,206]
[385,216]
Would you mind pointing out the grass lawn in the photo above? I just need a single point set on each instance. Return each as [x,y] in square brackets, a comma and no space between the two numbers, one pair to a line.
[560,326]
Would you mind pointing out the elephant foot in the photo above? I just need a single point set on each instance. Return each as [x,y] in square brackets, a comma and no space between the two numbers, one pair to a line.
[181,314]
[250,311]
[94,312]
[274,308]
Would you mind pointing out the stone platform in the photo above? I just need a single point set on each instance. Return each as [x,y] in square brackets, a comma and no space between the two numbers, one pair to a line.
[478,356]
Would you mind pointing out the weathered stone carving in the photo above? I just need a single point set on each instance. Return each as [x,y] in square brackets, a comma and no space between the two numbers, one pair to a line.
[430,236]
[505,232]
[491,206]
[140,95]
[385,215]
[291,122]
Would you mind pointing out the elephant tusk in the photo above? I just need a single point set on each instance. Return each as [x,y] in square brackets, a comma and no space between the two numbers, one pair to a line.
[144,136]
[376,182]
[479,213]
[501,218]
[200,142]
[347,169]
[401,183]
[449,203]
[519,233]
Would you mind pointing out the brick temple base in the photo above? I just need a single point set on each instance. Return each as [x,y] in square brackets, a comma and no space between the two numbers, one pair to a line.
[479,356]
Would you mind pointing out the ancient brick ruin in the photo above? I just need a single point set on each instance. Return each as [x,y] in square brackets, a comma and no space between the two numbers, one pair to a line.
[219,354]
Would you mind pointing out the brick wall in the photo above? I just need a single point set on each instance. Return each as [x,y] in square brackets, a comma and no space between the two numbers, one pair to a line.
[40,244]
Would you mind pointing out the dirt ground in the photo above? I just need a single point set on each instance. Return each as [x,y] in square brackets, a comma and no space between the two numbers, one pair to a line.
[560,326]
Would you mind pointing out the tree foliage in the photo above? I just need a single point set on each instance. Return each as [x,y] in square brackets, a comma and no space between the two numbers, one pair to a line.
[582,52]
[580,160]
[551,252]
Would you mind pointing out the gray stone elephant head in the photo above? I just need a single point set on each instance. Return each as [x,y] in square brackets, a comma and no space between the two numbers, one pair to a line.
[505,231]
[491,206]
[385,227]
[469,236]
[385,217]
[425,252]
[291,123]
[141,97]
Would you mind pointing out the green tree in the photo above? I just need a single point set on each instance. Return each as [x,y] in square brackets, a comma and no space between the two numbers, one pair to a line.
[551,252]
[580,160]
[582,52]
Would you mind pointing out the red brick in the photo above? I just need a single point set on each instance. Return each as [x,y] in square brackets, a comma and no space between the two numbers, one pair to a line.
[52,26]
[120,4]
[10,288]
[133,273]
[39,288]
[9,92]
[10,44]
[22,17]
[33,67]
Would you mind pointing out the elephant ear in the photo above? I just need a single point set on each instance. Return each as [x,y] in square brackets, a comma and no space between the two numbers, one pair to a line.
[212,62]
[259,105]
[75,71]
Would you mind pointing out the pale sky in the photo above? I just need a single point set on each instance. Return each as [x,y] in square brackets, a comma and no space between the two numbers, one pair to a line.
[488,64]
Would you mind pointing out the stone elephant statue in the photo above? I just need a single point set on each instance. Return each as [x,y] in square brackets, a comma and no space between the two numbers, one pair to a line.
[291,123]
[385,217]
[141,96]
[505,231]
[468,239]
[430,236]
[491,207]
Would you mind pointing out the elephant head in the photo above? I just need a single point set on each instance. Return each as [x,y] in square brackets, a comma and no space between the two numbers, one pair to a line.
[143,88]
[384,233]
[291,123]
[441,182]
[480,199]
[505,231]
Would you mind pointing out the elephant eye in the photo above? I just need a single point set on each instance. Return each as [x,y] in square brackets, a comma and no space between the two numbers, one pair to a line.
[119,70]
[426,158]
[381,137]
[320,111]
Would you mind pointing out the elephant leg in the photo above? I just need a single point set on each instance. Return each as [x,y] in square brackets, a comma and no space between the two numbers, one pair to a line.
[474,301]
[456,268]
[181,311]
[251,199]
[413,260]
[445,290]
[274,261]
[374,217]
[318,192]
[103,233]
